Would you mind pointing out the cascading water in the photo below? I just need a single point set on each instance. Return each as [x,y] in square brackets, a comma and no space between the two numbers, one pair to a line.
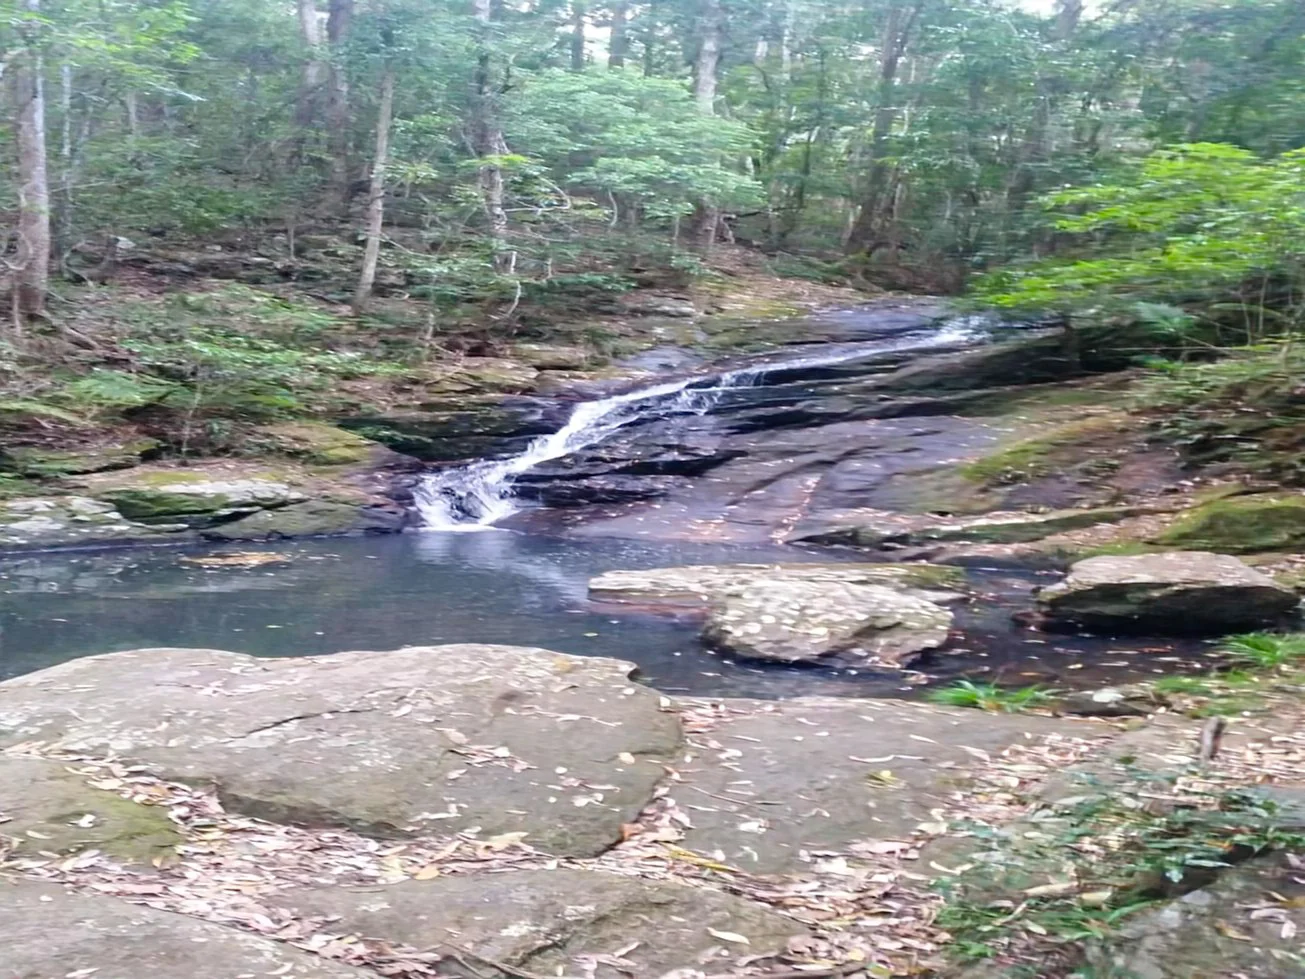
[477,496]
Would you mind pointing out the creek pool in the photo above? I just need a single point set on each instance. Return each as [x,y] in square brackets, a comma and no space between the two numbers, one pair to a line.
[492,587]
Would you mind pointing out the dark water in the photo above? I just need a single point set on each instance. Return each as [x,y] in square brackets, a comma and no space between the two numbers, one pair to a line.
[495,587]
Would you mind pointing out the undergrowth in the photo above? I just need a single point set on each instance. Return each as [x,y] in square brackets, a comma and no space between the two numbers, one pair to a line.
[992,698]
[1076,870]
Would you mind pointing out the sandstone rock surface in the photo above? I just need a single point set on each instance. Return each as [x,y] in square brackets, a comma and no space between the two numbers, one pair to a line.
[50,931]
[1175,592]
[419,740]
[791,613]
[547,921]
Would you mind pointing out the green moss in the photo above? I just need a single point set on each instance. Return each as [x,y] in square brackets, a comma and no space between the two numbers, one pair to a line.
[1045,454]
[146,505]
[1240,525]
[313,443]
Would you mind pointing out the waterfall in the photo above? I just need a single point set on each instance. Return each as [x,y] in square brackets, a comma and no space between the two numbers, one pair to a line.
[478,495]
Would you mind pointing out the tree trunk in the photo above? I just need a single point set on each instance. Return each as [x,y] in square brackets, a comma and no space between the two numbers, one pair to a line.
[489,140]
[376,195]
[618,45]
[31,269]
[898,25]
[316,67]
[705,217]
[338,24]
[577,35]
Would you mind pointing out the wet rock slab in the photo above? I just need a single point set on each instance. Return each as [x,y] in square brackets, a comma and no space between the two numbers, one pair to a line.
[777,783]
[1181,592]
[548,921]
[790,613]
[50,931]
[418,740]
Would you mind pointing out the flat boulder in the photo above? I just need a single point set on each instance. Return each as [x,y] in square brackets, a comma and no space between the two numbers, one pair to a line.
[778,786]
[797,613]
[1184,592]
[51,931]
[555,922]
[434,739]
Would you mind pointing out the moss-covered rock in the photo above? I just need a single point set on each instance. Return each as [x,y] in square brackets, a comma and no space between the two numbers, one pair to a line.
[48,808]
[312,518]
[42,463]
[198,501]
[316,444]
[1241,525]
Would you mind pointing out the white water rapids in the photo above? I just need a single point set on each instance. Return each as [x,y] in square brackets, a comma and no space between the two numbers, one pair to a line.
[478,495]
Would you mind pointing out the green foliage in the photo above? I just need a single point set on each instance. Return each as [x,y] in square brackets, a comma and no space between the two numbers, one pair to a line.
[1265,650]
[1108,852]
[990,697]
[1190,222]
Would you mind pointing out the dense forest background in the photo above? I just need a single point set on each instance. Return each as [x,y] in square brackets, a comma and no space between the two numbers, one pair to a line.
[1131,165]
[906,143]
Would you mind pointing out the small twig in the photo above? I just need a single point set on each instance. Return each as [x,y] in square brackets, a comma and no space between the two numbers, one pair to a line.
[846,969]
[503,967]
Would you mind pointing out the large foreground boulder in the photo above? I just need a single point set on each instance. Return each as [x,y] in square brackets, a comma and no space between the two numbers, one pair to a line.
[433,739]
[50,931]
[1181,592]
[549,921]
[803,613]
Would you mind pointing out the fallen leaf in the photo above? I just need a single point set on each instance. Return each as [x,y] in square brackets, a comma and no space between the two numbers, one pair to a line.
[730,936]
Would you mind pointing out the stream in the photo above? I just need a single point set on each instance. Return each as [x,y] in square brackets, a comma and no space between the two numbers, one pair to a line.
[705,468]
[512,588]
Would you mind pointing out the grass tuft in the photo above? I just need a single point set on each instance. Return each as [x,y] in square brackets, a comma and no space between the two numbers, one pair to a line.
[992,698]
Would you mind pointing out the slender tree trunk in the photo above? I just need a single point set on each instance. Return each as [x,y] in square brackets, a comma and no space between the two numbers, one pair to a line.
[898,26]
[338,24]
[489,140]
[376,195]
[710,24]
[63,223]
[31,280]
[316,67]
[618,45]
[577,35]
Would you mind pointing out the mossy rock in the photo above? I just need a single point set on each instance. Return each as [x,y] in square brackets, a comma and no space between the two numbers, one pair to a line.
[46,464]
[50,809]
[146,505]
[315,444]
[1241,525]
[314,518]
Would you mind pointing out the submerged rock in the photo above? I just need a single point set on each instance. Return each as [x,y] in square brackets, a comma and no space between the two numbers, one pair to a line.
[1181,592]
[418,740]
[52,931]
[545,920]
[791,613]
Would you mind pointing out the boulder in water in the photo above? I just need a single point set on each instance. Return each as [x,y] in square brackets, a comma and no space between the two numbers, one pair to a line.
[803,613]
[1182,592]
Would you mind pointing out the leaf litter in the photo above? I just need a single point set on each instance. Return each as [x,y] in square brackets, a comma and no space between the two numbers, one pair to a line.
[868,908]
